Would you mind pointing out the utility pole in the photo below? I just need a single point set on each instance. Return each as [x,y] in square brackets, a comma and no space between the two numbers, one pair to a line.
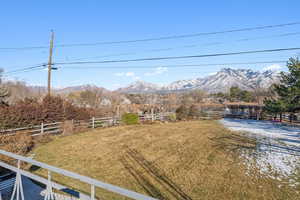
[50,62]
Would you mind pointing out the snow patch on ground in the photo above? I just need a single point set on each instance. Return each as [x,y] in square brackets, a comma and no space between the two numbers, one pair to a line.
[278,146]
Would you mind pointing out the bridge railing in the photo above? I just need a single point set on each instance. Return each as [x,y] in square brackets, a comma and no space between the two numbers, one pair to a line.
[18,192]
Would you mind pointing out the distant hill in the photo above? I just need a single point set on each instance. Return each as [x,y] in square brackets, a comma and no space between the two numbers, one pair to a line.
[221,81]
[78,88]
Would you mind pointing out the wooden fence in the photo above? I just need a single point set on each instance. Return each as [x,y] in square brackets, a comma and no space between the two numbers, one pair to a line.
[95,122]
[156,117]
[211,115]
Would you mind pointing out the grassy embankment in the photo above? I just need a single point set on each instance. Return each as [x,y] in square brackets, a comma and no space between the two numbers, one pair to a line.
[184,160]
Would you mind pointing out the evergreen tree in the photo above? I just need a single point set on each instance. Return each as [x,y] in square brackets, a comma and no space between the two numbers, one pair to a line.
[287,92]
[274,107]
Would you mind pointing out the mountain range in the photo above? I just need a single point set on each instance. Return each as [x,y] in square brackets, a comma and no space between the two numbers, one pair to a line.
[221,81]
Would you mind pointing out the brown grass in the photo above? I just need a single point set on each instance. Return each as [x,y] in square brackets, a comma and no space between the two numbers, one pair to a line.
[184,160]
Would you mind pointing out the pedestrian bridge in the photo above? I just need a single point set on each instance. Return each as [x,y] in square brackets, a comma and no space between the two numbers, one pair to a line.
[21,184]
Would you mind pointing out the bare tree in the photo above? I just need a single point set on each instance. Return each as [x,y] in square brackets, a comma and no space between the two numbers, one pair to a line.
[4,94]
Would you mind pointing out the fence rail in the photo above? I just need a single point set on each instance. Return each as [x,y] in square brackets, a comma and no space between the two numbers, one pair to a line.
[95,122]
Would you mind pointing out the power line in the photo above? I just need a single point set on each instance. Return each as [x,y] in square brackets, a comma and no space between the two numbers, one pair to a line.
[176,66]
[179,57]
[157,58]
[156,38]
[44,66]
[24,48]
[190,46]
[181,36]
[26,69]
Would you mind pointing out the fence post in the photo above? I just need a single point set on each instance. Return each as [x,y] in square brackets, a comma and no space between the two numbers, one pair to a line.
[42,128]
[152,115]
[115,121]
[93,122]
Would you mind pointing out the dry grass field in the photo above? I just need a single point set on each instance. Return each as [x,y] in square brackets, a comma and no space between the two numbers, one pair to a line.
[183,160]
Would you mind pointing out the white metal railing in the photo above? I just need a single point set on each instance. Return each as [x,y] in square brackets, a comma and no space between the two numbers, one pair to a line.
[50,185]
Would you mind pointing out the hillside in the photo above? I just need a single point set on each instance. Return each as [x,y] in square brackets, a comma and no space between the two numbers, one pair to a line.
[222,81]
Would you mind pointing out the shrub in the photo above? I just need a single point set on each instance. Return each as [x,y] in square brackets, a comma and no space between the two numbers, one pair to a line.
[20,144]
[172,117]
[32,112]
[194,112]
[130,118]
[182,112]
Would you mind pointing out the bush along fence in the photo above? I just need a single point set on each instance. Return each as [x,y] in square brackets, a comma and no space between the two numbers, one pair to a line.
[95,122]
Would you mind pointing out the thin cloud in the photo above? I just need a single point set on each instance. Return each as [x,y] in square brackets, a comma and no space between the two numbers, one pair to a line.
[128,74]
[212,73]
[157,71]
[274,67]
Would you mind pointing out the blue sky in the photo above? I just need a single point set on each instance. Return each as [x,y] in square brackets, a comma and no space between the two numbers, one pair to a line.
[28,23]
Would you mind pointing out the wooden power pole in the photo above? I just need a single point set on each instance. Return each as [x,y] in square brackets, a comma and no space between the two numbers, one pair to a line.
[50,62]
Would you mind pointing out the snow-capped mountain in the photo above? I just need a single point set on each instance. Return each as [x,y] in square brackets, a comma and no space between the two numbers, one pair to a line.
[140,86]
[221,81]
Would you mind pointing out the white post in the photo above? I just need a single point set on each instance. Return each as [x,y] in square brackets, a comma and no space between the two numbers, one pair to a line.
[93,122]
[152,115]
[49,191]
[42,128]
[92,192]
[118,111]
[114,121]
[18,187]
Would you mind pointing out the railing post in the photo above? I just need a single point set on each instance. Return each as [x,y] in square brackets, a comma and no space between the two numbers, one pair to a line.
[49,190]
[93,122]
[92,192]
[18,187]
[42,128]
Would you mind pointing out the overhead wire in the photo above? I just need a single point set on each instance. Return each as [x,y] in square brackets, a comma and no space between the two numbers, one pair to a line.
[25,69]
[178,57]
[189,46]
[172,66]
[156,38]
[181,36]
[31,68]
